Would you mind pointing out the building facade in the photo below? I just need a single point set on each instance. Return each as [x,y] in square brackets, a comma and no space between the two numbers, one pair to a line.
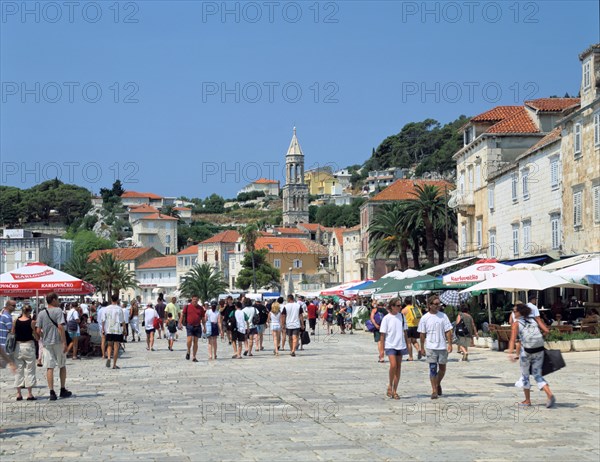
[18,247]
[580,161]
[156,230]
[217,249]
[269,187]
[351,254]
[158,275]
[186,260]
[295,191]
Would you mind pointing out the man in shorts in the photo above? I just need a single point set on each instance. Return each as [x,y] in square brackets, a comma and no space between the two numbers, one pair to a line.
[114,328]
[51,328]
[435,330]
[194,321]
[412,314]
[293,319]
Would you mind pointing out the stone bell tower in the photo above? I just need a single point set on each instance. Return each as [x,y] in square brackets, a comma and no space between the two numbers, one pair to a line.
[295,191]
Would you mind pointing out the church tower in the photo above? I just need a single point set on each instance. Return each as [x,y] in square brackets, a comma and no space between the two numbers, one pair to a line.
[295,191]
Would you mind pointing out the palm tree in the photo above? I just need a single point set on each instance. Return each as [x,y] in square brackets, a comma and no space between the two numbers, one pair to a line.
[80,267]
[204,281]
[427,207]
[387,235]
[170,211]
[249,237]
[111,275]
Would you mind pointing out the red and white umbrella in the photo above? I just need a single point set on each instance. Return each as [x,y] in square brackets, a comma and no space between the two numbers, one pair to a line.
[36,279]
[476,273]
[339,290]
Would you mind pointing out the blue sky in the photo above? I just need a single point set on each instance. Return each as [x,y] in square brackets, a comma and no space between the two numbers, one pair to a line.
[195,100]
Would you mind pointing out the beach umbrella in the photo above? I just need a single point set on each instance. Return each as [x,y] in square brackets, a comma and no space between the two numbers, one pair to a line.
[588,272]
[453,297]
[522,280]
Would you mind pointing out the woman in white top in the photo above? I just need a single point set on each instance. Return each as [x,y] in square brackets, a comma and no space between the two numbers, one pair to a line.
[73,328]
[213,319]
[393,332]
[273,319]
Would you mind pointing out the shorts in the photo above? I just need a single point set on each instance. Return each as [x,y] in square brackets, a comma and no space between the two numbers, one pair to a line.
[293,332]
[150,331]
[437,356]
[194,331]
[253,331]
[412,332]
[260,329]
[54,356]
[275,328]
[239,336]
[393,352]
[463,341]
[171,335]
[73,333]
[214,329]
[376,336]
[312,323]
[114,337]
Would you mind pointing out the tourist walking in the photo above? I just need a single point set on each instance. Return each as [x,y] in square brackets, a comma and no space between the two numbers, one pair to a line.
[378,312]
[50,325]
[227,314]
[312,314]
[214,325]
[435,331]
[413,316]
[171,329]
[293,318]
[252,315]
[100,320]
[160,309]
[173,308]
[465,331]
[126,316]
[263,314]
[24,355]
[134,320]
[394,336]
[114,328]
[531,355]
[328,316]
[73,320]
[6,321]
[240,327]
[193,316]
[274,320]
[150,315]
[283,330]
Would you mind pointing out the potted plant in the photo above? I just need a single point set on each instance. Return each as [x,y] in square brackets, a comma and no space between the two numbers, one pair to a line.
[583,341]
[558,341]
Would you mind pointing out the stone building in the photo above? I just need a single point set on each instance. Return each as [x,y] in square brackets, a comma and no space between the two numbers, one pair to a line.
[295,191]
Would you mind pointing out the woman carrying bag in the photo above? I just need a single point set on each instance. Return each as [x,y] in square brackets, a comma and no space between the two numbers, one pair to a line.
[24,355]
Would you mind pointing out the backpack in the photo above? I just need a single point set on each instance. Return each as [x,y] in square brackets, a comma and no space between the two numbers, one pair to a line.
[231,321]
[530,334]
[256,318]
[172,326]
[413,314]
[262,311]
[370,326]
[461,329]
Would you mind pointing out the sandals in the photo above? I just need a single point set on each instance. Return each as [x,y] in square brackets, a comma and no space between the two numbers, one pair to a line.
[396,396]
[434,396]
[389,392]
[381,360]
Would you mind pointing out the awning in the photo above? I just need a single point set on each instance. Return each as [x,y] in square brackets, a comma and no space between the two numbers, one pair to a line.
[403,285]
[536,259]
[448,264]
[438,284]
[569,261]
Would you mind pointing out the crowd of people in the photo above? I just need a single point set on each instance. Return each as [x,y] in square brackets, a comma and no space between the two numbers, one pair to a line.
[401,328]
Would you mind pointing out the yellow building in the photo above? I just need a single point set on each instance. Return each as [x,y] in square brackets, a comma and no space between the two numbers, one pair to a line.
[320,181]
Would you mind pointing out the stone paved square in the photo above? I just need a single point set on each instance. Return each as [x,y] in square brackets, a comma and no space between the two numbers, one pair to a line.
[328,403]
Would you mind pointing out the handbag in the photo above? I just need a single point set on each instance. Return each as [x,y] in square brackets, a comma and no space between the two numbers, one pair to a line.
[553,361]
[11,343]
[304,338]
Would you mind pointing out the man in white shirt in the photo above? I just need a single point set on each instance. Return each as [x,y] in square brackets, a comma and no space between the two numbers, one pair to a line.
[393,331]
[85,308]
[293,318]
[113,326]
[435,332]
[100,319]
[249,312]
[126,316]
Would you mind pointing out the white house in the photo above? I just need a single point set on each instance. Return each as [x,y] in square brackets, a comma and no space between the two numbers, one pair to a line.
[269,187]
[158,275]
[185,213]
[129,198]
[351,253]
[156,230]
[186,260]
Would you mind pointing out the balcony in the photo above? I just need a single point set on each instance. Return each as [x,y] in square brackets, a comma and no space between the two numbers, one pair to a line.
[464,202]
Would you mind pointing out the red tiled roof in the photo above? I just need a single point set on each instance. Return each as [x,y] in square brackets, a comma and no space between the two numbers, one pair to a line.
[144,208]
[550,138]
[496,114]
[354,228]
[160,262]
[191,250]
[265,181]
[553,104]
[121,254]
[135,194]
[339,235]
[157,216]
[290,245]
[519,122]
[290,231]
[404,189]
[313,227]
[224,236]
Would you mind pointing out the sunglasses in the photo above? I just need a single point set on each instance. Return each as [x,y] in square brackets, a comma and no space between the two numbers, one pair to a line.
[398,304]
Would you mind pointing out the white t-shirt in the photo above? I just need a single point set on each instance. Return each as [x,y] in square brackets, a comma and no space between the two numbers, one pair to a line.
[292,315]
[84,309]
[113,318]
[240,320]
[250,311]
[393,326]
[435,326]
[126,312]
[535,313]
[275,320]
[212,316]
[149,315]
[100,315]
[73,315]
